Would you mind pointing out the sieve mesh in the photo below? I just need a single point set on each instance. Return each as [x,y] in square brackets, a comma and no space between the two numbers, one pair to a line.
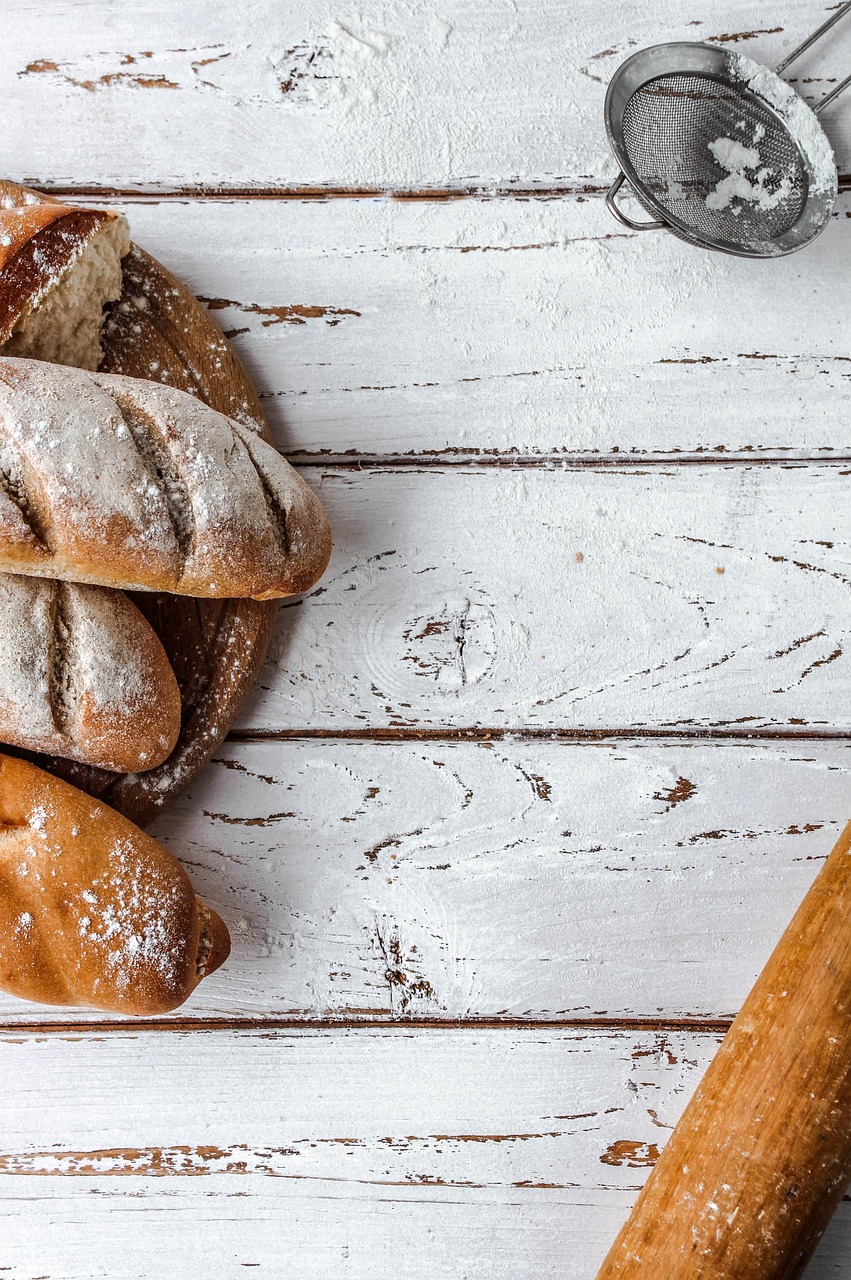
[668,124]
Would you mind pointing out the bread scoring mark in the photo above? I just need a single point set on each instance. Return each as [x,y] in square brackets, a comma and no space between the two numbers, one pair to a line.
[13,483]
[149,439]
[274,506]
[8,828]
[61,693]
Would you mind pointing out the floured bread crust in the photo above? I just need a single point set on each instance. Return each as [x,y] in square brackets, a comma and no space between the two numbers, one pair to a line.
[83,675]
[131,484]
[59,267]
[93,912]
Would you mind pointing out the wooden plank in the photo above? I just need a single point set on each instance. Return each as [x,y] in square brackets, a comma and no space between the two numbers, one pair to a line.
[688,597]
[283,93]
[514,327]
[536,881]
[105,1229]
[461,1154]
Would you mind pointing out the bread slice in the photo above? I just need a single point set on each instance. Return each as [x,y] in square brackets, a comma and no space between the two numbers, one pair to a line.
[59,267]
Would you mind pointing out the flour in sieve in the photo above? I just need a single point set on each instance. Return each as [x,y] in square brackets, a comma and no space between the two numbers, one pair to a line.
[747,178]
[801,121]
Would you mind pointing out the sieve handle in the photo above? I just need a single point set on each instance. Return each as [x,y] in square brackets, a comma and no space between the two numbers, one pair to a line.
[811,39]
[616,211]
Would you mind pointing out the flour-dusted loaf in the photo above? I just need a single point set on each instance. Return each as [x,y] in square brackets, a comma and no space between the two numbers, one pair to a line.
[83,675]
[93,911]
[59,267]
[132,484]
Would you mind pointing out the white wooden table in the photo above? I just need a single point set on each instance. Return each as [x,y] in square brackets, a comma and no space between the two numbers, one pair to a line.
[534,779]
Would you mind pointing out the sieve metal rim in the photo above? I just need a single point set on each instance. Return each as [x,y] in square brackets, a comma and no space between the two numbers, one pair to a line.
[690,57]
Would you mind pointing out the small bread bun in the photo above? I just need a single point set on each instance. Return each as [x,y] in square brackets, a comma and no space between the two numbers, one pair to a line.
[84,676]
[94,912]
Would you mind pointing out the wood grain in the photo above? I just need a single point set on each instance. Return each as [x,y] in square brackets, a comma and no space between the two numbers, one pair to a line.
[513,330]
[117,1229]
[669,597]
[286,94]
[510,880]
[378,1153]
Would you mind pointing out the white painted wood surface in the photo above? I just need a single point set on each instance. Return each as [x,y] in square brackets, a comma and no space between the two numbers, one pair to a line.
[506,879]
[507,405]
[391,94]
[691,596]
[513,327]
[465,1154]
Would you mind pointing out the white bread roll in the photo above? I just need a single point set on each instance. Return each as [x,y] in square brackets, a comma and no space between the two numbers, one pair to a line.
[83,675]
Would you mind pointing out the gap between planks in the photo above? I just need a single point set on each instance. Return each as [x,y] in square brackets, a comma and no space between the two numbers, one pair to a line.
[473,459]
[81,1030]
[392,733]
[427,194]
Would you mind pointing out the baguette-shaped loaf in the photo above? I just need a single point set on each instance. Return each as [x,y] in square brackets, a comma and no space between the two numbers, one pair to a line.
[132,484]
[92,911]
[83,675]
[59,266]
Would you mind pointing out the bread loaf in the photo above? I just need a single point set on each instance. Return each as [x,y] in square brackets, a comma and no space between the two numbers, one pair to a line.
[132,484]
[83,675]
[93,911]
[59,266]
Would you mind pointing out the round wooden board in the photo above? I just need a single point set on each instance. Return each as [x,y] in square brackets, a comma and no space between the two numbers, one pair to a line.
[159,330]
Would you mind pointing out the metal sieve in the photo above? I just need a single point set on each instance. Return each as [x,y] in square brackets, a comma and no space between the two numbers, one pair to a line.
[720,150]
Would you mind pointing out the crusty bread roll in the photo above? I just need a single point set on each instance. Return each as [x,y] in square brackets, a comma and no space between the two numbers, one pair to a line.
[93,911]
[59,267]
[131,484]
[83,675]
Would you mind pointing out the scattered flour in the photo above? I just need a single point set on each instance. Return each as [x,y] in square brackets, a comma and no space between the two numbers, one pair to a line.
[133,914]
[125,903]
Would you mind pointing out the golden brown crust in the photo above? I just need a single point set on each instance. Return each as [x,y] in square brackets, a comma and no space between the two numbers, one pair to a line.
[94,912]
[142,732]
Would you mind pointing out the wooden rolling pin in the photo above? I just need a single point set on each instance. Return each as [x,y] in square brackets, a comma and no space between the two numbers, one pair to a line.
[762,1154]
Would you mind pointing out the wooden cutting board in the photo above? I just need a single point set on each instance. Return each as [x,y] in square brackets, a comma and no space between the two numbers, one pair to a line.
[159,330]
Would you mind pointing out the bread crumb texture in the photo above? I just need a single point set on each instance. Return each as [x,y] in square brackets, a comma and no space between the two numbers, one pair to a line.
[62,321]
